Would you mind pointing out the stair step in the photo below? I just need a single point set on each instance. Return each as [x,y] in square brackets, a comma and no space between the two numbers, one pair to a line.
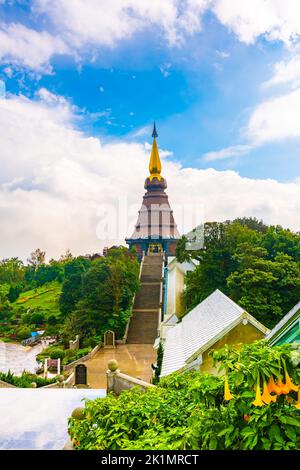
[143,326]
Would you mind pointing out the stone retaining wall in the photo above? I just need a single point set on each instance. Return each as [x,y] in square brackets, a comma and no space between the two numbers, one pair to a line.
[88,356]
[6,385]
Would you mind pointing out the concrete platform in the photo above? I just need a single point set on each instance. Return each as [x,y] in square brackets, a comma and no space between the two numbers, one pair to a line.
[133,359]
[36,419]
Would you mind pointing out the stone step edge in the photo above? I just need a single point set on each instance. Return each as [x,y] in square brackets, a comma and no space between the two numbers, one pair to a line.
[136,310]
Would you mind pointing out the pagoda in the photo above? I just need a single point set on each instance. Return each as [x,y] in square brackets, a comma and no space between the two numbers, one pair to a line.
[155,230]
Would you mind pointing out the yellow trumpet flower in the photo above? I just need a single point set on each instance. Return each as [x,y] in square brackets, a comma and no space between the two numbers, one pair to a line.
[258,399]
[272,387]
[266,397]
[289,383]
[298,401]
[284,388]
[227,394]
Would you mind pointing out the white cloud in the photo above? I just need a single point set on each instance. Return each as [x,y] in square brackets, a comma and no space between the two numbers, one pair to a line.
[29,48]
[275,119]
[249,19]
[2,89]
[286,72]
[105,23]
[165,70]
[53,178]
[84,22]
[234,151]
[82,26]
[223,54]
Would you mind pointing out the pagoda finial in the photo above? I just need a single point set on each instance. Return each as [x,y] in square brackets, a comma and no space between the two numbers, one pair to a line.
[154,133]
[155,164]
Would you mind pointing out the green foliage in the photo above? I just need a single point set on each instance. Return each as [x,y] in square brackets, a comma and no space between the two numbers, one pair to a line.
[188,411]
[107,293]
[11,271]
[48,273]
[44,299]
[6,311]
[13,293]
[71,293]
[4,289]
[37,319]
[57,353]
[72,355]
[25,380]
[52,320]
[255,265]
[157,372]
[69,296]
[23,332]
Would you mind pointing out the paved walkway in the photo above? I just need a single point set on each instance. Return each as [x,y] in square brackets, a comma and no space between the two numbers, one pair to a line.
[16,358]
[133,359]
[38,419]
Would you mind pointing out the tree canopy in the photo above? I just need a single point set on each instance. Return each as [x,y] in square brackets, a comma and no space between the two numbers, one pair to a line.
[255,265]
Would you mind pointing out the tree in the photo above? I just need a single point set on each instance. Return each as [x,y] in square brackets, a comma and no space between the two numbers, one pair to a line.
[67,256]
[4,289]
[52,320]
[107,293]
[48,273]
[72,285]
[37,318]
[23,332]
[266,289]
[37,258]
[256,265]
[253,223]
[217,259]
[14,293]
[279,240]
[11,271]
[6,312]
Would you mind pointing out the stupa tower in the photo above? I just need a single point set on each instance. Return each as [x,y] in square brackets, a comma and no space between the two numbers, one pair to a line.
[155,230]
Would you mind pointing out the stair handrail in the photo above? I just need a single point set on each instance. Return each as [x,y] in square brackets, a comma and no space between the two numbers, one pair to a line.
[124,340]
[161,294]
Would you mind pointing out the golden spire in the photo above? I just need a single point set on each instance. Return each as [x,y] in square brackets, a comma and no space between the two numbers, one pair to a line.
[155,164]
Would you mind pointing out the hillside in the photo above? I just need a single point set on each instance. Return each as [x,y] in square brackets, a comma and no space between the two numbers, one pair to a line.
[45,297]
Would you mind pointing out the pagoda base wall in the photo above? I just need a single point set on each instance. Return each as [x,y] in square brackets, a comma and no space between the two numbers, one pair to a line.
[142,246]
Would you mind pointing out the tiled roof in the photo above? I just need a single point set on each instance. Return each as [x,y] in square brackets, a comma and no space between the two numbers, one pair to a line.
[205,322]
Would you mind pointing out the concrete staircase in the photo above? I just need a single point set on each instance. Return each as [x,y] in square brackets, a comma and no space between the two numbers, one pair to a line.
[144,322]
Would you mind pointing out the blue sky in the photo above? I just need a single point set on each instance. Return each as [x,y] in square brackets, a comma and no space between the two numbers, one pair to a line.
[221,81]
[201,93]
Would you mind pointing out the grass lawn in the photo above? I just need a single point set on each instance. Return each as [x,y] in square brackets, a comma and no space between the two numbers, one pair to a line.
[45,297]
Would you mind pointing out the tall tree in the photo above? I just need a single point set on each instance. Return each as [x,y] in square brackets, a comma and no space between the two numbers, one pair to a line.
[37,258]
[73,282]
[256,265]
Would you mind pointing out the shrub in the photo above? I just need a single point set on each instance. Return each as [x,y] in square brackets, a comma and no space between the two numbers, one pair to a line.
[37,319]
[57,353]
[196,411]
[52,320]
[23,332]
[73,355]
[70,356]
[25,380]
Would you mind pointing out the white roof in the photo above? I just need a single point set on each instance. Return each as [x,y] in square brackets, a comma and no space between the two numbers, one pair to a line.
[172,320]
[201,328]
[185,266]
[284,321]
